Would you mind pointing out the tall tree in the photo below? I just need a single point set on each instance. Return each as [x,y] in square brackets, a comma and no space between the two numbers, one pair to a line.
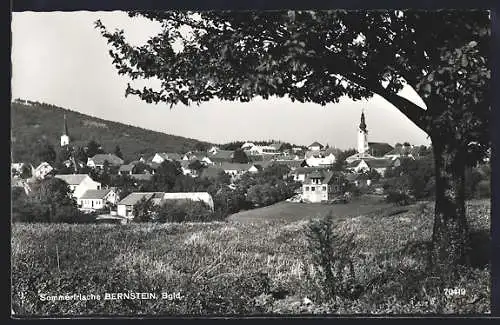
[118,152]
[93,148]
[44,151]
[322,56]
[239,156]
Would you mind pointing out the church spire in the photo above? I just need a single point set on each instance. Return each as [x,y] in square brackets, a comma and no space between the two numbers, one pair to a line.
[65,132]
[362,125]
[65,135]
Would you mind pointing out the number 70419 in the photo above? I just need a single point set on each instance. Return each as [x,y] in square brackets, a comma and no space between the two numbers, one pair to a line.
[454,292]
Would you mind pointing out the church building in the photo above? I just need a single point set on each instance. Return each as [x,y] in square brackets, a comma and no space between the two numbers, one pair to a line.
[363,148]
[65,135]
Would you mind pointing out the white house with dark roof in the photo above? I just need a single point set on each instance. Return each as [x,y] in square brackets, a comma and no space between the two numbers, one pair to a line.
[315,146]
[125,208]
[79,183]
[320,158]
[247,146]
[264,150]
[98,160]
[93,200]
[320,186]
[160,157]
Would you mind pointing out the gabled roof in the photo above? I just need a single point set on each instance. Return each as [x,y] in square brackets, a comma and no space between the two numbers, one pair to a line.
[113,159]
[126,168]
[277,145]
[380,163]
[169,155]
[222,154]
[326,177]
[134,198]
[307,170]
[235,166]
[290,163]
[379,148]
[73,179]
[404,150]
[316,144]
[95,194]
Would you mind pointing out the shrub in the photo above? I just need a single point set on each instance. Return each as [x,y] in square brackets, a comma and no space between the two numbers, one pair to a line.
[398,197]
[332,255]
[185,211]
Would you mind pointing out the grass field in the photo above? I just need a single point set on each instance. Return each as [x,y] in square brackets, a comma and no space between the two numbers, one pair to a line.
[293,211]
[238,267]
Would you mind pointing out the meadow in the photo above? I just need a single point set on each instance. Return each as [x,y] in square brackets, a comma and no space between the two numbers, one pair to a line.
[242,268]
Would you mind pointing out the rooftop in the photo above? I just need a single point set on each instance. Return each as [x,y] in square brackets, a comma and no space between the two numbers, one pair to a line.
[95,194]
[73,179]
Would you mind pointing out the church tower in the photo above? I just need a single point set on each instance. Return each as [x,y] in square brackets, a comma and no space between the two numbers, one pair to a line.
[362,136]
[65,136]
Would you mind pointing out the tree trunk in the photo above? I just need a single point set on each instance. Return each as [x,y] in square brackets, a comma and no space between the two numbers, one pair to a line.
[450,238]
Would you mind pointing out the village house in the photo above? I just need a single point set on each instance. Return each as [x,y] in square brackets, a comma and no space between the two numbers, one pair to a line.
[221,156]
[98,160]
[321,186]
[160,157]
[127,169]
[247,146]
[125,208]
[213,150]
[42,170]
[93,200]
[358,166]
[380,165]
[315,146]
[402,151]
[300,174]
[292,164]
[264,150]
[79,183]
[320,158]
[235,170]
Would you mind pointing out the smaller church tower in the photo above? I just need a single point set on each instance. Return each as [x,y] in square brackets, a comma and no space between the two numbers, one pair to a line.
[362,136]
[65,135]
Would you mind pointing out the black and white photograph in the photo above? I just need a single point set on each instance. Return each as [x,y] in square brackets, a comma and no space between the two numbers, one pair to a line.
[228,163]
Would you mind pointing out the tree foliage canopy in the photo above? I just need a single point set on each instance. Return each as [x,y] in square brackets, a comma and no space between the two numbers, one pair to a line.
[321,56]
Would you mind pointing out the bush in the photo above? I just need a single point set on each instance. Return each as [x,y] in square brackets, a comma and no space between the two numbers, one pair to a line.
[398,197]
[185,211]
[332,255]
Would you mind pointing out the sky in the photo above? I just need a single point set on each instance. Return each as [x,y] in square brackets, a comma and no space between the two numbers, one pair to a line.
[61,59]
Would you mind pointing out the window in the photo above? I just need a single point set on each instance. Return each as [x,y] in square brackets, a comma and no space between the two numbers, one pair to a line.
[312,188]
[324,188]
[307,188]
[92,203]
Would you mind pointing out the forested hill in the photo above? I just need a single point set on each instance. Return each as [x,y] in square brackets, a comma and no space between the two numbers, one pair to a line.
[33,122]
